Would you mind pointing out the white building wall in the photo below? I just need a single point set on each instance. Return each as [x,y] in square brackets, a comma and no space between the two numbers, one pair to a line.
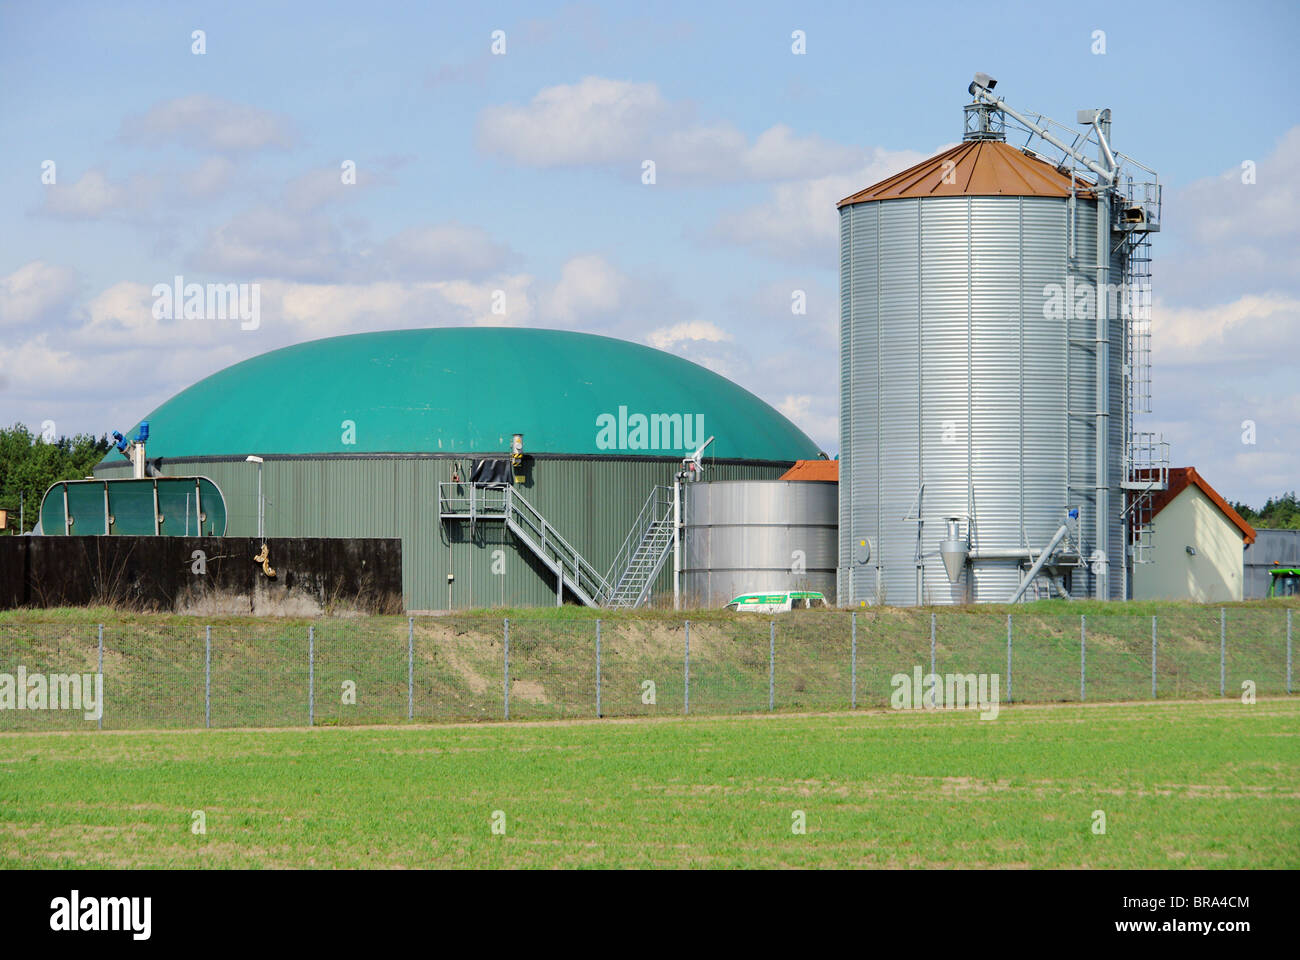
[1213,575]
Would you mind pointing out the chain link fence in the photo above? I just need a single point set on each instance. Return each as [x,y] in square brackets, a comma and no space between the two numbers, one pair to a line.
[56,676]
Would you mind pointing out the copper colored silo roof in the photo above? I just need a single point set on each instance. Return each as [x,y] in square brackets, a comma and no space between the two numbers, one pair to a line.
[975,168]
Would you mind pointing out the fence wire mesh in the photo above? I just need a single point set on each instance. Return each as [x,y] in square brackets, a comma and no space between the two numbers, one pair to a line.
[264,673]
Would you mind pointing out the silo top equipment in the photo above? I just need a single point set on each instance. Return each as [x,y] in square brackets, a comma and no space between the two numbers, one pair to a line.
[975,168]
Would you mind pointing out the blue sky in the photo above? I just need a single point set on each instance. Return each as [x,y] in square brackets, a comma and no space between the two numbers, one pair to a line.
[522,172]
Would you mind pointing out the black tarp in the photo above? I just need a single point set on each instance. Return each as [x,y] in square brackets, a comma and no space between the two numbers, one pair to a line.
[492,473]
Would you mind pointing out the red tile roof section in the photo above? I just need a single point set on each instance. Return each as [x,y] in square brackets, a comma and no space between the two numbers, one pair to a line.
[1180,478]
[826,471]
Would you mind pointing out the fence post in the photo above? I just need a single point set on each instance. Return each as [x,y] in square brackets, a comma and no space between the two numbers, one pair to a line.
[1288,651]
[598,714]
[311,676]
[1083,657]
[207,676]
[1008,658]
[853,662]
[687,708]
[506,681]
[1153,657]
[771,668]
[410,668]
[932,643]
[1223,651]
[99,722]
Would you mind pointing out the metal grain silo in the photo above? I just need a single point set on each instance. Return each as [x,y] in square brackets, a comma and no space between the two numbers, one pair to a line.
[982,379]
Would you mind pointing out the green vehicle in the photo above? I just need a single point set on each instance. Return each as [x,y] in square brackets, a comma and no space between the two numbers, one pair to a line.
[777,602]
[1286,582]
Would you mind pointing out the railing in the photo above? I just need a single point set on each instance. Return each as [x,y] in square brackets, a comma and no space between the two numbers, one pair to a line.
[532,527]
[460,500]
[658,506]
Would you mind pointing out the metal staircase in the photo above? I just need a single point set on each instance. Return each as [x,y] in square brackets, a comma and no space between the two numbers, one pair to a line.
[635,566]
[644,551]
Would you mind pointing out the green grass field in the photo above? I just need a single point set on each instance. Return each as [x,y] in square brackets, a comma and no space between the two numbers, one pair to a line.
[1207,784]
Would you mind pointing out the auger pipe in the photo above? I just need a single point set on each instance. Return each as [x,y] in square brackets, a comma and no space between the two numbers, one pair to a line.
[1038,564]
[983,94]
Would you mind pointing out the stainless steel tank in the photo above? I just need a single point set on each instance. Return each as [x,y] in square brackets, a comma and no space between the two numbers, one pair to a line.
[743,536]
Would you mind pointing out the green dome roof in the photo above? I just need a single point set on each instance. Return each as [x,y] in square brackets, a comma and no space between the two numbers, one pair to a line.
[466,390]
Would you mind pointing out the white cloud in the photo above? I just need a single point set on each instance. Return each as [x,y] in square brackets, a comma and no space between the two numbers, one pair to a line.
[599,122]
[208,123]
[441,252]
[1224,207]
[89,198]
[596,121]
[813,416]
[1252,328]
[34,291]
[35,365]
[122,316]
[138,197]
[210,178]
[267,242]
[1225,238]
[307,311]
[666,338]
[316,188]
[798,221]
[589,288]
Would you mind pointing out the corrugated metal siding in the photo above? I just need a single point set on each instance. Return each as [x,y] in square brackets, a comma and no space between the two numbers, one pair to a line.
[955,378]
[592,502]
[746,536]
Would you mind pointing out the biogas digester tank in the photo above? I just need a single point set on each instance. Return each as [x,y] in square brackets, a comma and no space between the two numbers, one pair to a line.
[968,389]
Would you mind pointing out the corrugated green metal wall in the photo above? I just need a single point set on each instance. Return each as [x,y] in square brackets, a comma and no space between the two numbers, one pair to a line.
[592,502]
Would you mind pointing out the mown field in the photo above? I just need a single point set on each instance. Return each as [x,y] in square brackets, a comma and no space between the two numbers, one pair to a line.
[1207,784]
[453,667]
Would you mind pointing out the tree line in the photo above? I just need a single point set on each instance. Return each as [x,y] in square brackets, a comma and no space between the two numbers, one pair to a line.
[1279,513]
[29,464]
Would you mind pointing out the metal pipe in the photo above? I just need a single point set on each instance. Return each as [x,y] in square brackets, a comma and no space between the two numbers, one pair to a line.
[677,543]
[982,93]
[1014,553]
[1038,564]
[1102,138]
[1102,420]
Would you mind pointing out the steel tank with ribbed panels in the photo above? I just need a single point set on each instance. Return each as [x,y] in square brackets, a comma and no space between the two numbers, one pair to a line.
[969,391]
[744,536]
